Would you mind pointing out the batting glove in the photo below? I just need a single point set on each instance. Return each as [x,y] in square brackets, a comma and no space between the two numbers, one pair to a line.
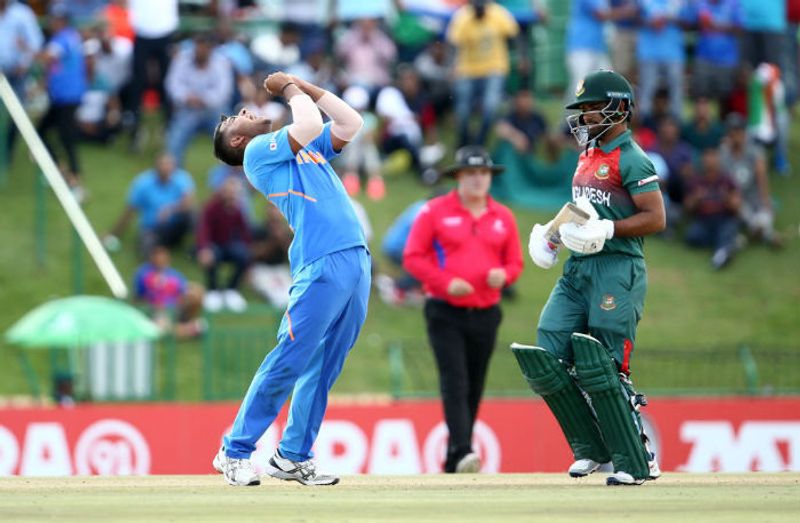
[588,238]
[539,248]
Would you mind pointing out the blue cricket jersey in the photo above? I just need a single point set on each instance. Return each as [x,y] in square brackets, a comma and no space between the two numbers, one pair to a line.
[308,193]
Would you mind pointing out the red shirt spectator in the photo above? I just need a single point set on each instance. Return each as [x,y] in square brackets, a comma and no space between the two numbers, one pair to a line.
[222,238]
[118,18]
[221,224]
[793,11]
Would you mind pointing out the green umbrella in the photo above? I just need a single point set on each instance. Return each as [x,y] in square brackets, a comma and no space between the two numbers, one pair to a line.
[79,321]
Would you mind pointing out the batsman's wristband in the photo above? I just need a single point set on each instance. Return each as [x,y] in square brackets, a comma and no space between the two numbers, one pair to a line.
[287,84]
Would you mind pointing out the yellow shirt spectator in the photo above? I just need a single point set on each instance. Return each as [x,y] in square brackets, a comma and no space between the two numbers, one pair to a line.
[481,43]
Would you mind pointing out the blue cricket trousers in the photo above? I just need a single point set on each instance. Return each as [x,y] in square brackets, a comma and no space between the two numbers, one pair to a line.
[327,307]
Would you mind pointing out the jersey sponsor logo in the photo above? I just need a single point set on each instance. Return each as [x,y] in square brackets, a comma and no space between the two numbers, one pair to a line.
[452,221]
[602,172]
[304,156]
[499,226]
[273,146]
[608,303]
[593,194]
[618,94]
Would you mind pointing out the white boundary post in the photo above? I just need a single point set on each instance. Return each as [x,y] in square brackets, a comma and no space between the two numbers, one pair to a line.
[56,181]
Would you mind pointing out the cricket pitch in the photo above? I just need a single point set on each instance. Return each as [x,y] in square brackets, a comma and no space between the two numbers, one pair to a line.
[506,498]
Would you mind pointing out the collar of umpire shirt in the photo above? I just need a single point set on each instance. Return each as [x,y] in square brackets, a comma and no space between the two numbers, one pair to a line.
[454,201]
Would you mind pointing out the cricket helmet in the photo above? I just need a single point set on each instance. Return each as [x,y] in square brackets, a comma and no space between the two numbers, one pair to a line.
[602,86]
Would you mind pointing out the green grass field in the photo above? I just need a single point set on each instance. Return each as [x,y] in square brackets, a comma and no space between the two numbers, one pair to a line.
[505,498]
[689,308]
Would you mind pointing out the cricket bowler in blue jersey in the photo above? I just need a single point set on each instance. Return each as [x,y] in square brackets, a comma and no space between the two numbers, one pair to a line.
[330,271]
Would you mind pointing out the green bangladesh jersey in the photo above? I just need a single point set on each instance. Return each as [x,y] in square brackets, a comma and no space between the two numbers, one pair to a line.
[608,176]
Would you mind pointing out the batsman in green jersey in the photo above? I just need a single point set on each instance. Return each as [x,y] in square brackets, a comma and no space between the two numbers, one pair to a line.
[587,329]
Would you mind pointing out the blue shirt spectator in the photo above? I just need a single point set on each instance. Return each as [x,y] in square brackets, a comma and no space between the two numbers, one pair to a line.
[395,240]
[764,15]
[20,36]
[199,83]
[585,28]
[713,45]
[661,37]
[200,75]
[151,193]
[66,79]
[20,40]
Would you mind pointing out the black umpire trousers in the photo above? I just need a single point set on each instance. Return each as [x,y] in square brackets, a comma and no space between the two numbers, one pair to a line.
[463,340]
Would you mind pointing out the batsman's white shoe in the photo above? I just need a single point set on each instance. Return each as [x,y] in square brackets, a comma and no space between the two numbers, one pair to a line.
[655,470]
[469,464]
[237,472]
[583,467]
[304,472]
[622,478]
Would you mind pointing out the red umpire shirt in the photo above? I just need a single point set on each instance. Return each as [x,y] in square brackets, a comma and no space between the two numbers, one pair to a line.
[446,242]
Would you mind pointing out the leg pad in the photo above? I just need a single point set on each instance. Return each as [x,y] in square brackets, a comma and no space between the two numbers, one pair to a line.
[547,377]
[598,376]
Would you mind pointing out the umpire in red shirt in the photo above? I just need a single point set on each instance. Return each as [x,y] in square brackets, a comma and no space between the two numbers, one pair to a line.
[464,248]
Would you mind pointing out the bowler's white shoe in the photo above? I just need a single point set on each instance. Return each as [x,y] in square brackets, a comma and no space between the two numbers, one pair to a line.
[304,472]
[470,463]
[583,467]
[237,472]
[622,478]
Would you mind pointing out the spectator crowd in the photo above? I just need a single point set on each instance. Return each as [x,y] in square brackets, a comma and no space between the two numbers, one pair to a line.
[716,81]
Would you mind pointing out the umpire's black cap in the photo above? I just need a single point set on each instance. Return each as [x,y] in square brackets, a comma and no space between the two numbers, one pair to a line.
[472,156]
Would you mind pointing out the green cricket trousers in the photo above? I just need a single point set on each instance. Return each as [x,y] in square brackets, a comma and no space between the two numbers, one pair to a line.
[600,295]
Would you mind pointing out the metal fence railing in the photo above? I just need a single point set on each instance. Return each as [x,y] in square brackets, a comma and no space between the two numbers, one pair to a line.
[736,369]
[233,348]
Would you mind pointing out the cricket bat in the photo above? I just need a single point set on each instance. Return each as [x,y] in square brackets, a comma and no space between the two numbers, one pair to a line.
[569,213]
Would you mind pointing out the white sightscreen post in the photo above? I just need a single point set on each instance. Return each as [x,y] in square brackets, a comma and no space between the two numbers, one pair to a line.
[64,195]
